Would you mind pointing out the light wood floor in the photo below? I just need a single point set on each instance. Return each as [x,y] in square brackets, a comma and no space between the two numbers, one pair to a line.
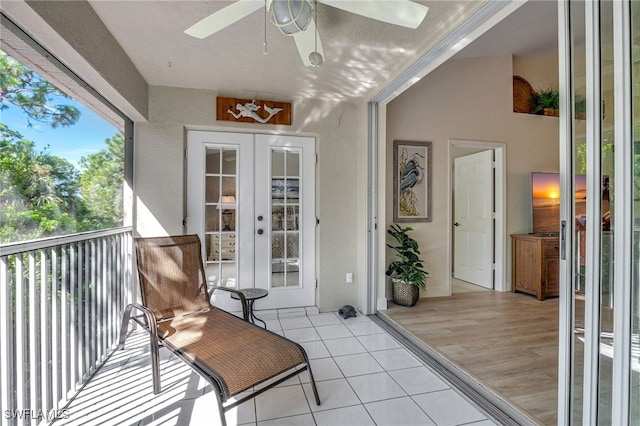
[507,341]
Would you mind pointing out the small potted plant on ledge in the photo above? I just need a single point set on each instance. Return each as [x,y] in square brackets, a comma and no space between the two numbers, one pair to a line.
[407,273]
[546,101]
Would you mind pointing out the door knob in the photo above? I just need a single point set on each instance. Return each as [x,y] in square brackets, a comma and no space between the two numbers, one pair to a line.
[456,224]
[260,232]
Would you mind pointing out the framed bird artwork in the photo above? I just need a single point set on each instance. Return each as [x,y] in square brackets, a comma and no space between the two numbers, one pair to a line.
[411,181]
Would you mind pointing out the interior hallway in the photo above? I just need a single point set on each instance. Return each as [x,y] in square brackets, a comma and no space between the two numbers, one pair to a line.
[506,341]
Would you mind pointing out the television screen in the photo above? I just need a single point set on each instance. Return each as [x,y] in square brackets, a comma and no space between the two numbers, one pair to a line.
[545,201]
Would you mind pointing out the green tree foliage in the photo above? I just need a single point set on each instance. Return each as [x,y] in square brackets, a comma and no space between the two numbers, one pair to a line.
[34,95]
[43,195]
[38,191]
[101,184]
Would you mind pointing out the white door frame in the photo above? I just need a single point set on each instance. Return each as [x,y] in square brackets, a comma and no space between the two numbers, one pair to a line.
[500,228]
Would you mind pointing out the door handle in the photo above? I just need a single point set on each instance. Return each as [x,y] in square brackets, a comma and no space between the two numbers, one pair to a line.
[456,224]
[260,232]
[563,240]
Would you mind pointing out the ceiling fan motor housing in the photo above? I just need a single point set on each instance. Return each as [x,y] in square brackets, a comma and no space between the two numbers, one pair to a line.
[291,16]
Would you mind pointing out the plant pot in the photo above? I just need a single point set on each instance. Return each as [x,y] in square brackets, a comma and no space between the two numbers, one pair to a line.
[552,112]
[405,294]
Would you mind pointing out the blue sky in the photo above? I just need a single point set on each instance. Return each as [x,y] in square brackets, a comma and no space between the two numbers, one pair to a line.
[86,137]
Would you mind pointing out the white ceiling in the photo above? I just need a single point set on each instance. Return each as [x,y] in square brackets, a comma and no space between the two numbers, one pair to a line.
[361,55]
[530,31]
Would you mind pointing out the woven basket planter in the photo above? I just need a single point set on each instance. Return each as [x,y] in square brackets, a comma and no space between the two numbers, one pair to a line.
[405,294]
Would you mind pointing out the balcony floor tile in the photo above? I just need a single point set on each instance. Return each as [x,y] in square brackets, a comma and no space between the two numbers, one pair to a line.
[121,392]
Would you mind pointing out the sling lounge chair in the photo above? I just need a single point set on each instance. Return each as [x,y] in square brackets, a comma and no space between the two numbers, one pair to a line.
[232,354]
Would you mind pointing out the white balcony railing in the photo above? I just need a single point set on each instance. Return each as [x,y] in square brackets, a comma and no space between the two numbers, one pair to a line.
[61,301]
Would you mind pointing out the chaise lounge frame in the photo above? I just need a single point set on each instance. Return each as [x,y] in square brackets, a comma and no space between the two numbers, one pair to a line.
[175,304]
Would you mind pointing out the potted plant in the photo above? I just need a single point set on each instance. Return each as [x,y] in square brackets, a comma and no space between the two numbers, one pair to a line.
[546,101]
[407,273]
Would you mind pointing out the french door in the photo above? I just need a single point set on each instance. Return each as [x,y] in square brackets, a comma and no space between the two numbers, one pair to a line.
[251,199]
[599,368]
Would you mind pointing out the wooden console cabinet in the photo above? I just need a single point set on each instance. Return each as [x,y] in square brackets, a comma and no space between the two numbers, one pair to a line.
[535,264]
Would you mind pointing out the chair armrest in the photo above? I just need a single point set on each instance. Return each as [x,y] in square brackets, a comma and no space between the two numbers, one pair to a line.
[150,322]
[243,300]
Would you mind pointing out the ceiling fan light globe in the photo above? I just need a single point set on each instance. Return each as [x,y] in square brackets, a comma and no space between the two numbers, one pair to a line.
[315,59]
[291,16]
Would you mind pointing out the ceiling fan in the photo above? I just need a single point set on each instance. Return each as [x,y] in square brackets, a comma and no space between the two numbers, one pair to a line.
[296,18]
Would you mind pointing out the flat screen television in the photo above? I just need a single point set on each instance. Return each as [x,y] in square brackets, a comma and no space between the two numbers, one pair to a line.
[545,202]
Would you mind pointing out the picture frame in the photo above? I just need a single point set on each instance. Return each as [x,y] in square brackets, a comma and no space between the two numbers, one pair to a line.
[412,181]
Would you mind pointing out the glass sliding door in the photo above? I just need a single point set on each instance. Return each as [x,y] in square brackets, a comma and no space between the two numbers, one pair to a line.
[600,165]
[626,368]
[635,251]
[574,181]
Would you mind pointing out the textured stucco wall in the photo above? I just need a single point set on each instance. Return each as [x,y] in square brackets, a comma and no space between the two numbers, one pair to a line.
[340,177]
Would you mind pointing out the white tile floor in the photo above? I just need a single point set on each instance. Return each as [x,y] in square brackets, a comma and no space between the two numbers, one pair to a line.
[364,377]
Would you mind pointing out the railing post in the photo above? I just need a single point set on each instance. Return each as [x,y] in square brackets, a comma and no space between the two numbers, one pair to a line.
[73,319]
[7,368]
[34,340]
[66,327]
[45,331]
[54,342]
[21,320]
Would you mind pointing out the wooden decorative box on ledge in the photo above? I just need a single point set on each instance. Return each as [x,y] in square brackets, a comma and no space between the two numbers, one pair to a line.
[535,264]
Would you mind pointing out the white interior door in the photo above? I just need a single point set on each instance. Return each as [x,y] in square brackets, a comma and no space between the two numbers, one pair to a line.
[251,199]
[473,218]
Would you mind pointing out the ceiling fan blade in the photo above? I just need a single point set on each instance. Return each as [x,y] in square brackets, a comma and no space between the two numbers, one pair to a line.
[398,12]
[223,18]
[306,43]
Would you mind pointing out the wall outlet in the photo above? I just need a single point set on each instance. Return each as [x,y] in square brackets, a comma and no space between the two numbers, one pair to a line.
[349,277]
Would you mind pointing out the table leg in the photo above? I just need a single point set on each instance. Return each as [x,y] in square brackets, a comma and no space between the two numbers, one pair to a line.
[252,316]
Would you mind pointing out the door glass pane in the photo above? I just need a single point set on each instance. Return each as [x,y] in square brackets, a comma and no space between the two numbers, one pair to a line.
[293,164]
[212,161]
[228,189]
[292,245]
[229,161]
[220,216]
[212,184]
[293,190]
[635,293]
[293,269]
[277,247]
[285,210]
[277,163]
[577,16]
[212,218]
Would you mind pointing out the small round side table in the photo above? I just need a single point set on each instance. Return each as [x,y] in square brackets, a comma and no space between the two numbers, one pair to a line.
[251,295]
